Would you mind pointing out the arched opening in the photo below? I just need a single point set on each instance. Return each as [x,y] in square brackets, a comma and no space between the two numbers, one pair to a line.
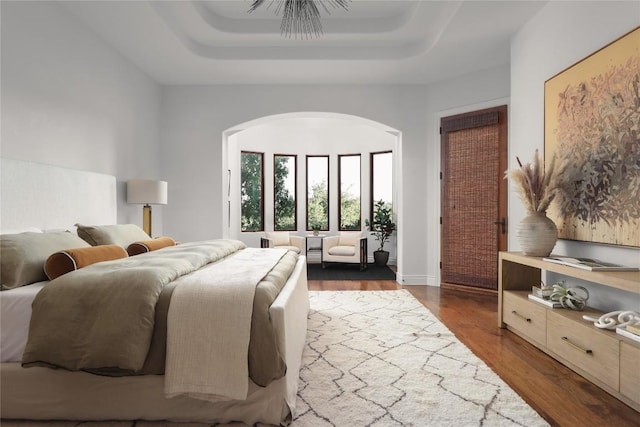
[306,134]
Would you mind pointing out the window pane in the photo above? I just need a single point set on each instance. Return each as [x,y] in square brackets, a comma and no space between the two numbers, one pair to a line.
[349,175]
[318,193]
[284,192]
[381,179]
[251,191]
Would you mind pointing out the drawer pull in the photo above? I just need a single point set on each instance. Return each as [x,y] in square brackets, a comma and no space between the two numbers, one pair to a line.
[565,339]
[515,313]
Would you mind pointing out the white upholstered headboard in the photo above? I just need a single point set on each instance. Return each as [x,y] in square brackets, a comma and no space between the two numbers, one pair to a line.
[51,197]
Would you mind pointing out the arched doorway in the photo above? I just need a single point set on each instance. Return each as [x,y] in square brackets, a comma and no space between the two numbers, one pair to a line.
[315,131]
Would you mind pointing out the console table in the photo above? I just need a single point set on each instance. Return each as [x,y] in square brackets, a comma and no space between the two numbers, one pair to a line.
[605,358]
[309,238]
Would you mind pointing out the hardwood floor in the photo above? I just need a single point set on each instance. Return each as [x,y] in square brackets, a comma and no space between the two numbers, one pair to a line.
[559,395]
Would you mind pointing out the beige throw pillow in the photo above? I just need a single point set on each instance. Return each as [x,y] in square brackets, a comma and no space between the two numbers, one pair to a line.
[22,256]
[119,234]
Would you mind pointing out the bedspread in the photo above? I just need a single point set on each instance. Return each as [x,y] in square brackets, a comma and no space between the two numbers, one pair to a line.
[103,300]
[209,327]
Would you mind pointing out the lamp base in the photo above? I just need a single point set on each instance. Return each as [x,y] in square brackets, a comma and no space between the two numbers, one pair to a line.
[146,219]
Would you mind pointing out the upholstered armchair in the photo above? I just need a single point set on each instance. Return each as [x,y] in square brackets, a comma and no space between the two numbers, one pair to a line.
[347,247]
[283,240]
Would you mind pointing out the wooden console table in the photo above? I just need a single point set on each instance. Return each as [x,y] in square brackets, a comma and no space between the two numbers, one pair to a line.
[605,358]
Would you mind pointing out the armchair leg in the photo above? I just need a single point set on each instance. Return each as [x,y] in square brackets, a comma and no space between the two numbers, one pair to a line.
[364,256]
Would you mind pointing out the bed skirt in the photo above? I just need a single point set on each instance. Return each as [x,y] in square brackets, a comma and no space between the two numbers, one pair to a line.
[49,394]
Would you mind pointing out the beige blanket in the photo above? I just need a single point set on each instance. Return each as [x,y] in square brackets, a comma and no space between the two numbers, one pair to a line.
[103,315]
[209,326]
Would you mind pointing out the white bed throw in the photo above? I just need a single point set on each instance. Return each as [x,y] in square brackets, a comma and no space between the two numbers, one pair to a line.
[209,325]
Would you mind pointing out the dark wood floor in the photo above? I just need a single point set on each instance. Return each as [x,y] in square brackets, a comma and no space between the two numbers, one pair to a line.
[559,395]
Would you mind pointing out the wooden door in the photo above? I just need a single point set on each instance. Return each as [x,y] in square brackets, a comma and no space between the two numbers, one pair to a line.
[474,197]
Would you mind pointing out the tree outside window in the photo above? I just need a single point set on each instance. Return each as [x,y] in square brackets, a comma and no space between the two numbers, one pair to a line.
[284,188]
[349,175]
[381,180]
[251,191]
[318,193]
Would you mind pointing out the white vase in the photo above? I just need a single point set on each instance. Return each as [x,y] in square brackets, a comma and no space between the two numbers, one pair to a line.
[537,234]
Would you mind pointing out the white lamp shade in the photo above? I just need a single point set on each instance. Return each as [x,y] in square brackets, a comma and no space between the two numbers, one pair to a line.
[147,191]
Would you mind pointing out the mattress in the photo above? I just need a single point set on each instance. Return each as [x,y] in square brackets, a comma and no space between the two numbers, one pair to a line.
[15,313]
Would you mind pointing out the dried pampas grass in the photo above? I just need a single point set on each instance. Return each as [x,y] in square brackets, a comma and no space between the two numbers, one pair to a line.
[536,187]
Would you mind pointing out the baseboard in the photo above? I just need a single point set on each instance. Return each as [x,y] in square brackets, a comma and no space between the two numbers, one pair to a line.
[416,280]
[470,289]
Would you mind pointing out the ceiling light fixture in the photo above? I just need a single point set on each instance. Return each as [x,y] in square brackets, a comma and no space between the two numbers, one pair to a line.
[301,16]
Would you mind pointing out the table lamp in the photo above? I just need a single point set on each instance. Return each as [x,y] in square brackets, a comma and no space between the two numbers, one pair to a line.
[146,192]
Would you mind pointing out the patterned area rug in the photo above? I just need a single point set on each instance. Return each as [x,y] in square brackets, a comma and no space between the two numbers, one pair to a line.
[382,359]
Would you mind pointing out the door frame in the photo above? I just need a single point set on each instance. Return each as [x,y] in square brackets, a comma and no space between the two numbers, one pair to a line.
[433,259]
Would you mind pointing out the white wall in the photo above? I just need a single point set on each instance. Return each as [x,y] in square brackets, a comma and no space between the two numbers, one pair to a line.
[194,118]
[302,136]
[558,36]
[70,100]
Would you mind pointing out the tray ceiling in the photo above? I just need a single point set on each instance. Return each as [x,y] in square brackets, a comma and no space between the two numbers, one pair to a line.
[374,42]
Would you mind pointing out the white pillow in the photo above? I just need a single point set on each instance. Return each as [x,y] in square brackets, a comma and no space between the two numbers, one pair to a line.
[279,238]
[350,238]
[21,230]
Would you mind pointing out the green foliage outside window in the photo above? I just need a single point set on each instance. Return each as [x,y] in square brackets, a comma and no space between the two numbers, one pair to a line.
[285,201]
[251,192]
[318,207]
[349,211]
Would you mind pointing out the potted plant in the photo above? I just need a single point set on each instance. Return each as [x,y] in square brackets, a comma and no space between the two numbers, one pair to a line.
[382,228]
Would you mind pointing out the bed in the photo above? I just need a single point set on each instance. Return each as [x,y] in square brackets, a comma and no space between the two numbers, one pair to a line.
[41,393]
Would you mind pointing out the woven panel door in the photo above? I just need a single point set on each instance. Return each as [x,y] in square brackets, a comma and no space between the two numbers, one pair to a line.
[473,197]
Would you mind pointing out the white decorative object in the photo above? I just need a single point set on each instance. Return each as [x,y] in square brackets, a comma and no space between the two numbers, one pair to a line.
[615,319]
[537,234]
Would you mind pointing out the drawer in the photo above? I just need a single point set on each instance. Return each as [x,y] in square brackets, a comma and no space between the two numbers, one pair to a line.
[630,371]
[526,317]
[587,348]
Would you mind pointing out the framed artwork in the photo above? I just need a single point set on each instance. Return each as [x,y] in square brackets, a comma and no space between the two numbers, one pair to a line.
[592,127]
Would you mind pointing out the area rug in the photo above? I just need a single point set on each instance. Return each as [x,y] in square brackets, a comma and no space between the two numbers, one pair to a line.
[380,358]
[349,272]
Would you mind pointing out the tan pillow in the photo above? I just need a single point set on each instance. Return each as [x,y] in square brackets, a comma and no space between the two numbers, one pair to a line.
[350,238]
[119,234]
[63,262]
[137,248]
[278,238]
[22,256]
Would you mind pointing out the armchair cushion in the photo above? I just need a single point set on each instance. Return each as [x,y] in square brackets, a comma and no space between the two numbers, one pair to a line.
[342,251]
[278,238]
[347,247]
[283,240]
[350,238]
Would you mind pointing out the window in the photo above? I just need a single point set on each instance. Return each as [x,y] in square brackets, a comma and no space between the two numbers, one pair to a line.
[284,192]
[251,191]
[349,196]
[318,193]
[381,179]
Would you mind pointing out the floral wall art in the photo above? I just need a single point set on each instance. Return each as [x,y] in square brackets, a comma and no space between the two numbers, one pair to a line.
[592,125]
